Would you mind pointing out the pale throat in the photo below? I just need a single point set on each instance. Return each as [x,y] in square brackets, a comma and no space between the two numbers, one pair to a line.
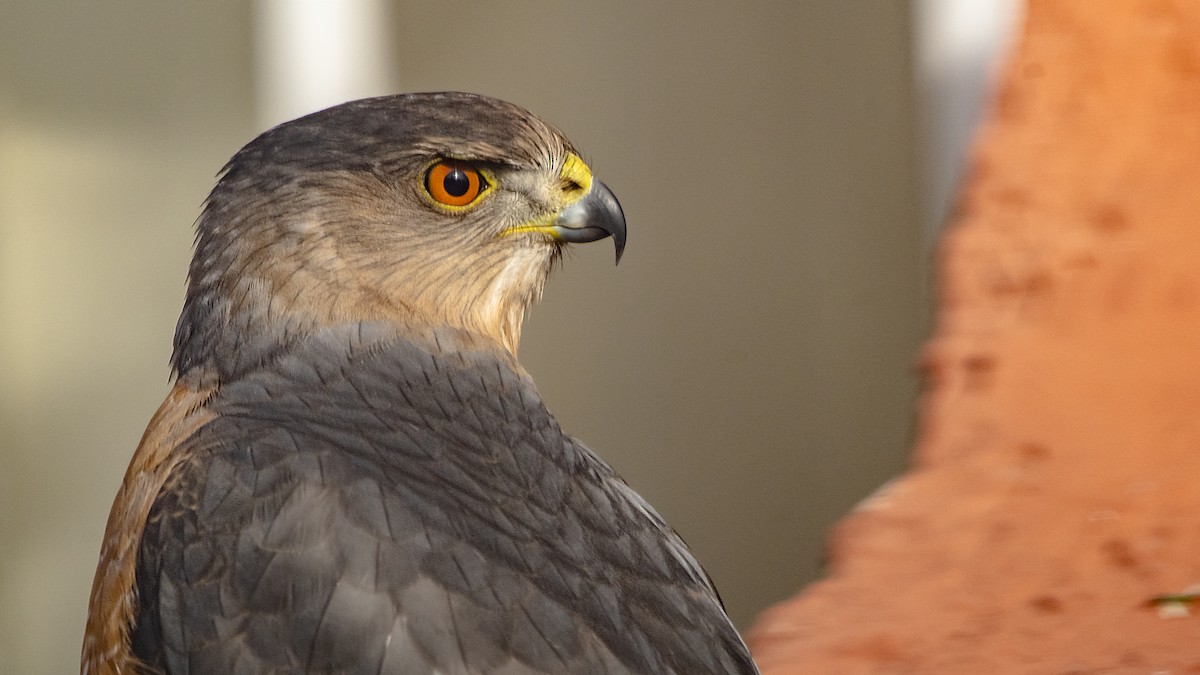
[485,297]
[499,310]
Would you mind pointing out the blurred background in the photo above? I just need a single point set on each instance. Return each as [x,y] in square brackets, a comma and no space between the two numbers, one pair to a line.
[784,167]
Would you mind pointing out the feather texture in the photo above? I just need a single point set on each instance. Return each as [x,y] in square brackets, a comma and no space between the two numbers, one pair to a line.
[367,503]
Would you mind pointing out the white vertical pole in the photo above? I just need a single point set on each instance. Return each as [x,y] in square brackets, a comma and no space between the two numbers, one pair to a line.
[957,46]
[311,54]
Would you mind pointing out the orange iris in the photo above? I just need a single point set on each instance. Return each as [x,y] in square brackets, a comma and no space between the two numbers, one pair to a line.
[454,183]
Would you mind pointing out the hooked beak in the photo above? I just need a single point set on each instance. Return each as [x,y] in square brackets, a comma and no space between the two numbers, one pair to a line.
[596,216]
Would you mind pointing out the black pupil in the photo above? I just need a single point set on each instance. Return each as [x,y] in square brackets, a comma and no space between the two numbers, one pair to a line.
[456,183]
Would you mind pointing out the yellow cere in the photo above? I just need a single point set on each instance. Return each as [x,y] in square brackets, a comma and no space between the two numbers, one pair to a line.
[574,171]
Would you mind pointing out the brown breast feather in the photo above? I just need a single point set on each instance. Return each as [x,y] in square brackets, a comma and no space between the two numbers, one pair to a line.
[111,607]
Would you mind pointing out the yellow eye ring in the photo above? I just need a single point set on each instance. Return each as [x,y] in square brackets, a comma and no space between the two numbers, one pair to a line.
[454,183]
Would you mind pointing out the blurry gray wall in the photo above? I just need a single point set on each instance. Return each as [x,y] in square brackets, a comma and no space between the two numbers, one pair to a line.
[748,367]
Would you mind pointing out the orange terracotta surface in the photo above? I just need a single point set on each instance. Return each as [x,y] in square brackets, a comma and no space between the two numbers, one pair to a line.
[1056,479]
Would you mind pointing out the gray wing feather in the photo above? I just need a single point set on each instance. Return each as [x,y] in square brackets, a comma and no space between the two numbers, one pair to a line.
[393,510]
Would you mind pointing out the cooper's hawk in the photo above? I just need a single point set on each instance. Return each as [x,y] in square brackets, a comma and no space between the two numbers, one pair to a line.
[352,473]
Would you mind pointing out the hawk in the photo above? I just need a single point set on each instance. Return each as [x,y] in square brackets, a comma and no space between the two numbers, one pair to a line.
[352,472]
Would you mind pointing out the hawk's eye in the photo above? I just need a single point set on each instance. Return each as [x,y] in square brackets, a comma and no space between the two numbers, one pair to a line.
[454,183]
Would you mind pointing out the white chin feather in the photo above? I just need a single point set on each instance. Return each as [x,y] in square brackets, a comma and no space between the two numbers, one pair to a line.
[518,284]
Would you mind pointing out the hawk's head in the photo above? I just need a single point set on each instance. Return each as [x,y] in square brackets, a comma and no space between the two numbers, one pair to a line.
[443,209]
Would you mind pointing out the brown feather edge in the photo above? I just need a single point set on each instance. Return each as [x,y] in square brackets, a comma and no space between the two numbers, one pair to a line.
[111,606]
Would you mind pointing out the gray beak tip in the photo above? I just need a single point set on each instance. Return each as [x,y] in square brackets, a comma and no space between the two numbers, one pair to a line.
[596,216]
